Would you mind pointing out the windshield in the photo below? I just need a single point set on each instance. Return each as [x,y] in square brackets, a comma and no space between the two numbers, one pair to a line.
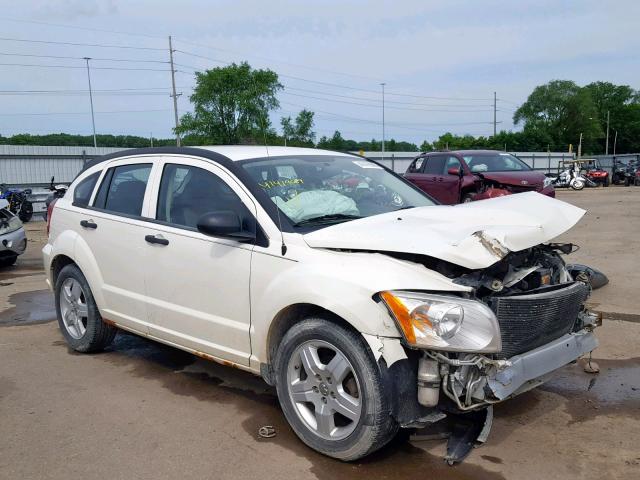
[495,162]
[326,189]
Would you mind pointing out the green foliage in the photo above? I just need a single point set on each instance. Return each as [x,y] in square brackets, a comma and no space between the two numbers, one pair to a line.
[231,105]
[65,139]
[300,133]
[337,142]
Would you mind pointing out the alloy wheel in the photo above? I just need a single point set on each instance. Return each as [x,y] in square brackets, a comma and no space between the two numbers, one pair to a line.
[324,389]
[73,308]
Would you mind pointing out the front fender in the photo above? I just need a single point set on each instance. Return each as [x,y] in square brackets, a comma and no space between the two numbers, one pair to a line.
[340,282]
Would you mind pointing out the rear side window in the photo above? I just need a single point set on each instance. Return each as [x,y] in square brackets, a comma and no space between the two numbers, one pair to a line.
[416,166]
[122,190]
[435,165]
[84,189]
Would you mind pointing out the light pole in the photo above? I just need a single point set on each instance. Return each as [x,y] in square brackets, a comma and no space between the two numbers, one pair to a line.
[606,151]
[93,121]
[615,140]
[382,85]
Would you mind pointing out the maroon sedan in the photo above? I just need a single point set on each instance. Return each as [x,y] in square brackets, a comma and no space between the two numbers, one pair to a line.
[467,175]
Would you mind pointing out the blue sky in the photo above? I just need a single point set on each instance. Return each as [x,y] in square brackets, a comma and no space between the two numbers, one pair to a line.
[441,61]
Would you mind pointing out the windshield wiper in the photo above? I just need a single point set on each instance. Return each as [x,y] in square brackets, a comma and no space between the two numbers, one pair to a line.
[405,207]
[329,218]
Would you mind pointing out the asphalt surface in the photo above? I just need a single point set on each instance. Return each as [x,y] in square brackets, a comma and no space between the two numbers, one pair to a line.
[144,410]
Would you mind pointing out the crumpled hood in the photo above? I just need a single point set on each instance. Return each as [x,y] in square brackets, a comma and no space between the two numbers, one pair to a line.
[473,235]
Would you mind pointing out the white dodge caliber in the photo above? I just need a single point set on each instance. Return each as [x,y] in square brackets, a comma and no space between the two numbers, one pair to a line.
[368,306]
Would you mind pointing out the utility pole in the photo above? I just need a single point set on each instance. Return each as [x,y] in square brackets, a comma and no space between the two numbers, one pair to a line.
[151,139]
[615,140]
[382,84]
[93,121]
[173,88]
[580,147]
[606,151]
[494,113]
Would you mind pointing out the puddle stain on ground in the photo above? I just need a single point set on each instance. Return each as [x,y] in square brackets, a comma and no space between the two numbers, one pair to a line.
[187,375]
[29,308]
[615,390]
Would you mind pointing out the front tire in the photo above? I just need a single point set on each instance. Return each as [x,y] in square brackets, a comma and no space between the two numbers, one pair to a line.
[78,316]
[8,261]
[577,185]
[331,391]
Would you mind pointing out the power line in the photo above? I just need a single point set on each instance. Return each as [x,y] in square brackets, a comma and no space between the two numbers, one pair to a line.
[82,58]
[79,113]
[78,66]
[377,106]
[287,87]
[74,44]
[283,62]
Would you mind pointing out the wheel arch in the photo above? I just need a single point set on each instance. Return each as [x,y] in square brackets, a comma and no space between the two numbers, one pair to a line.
[284,320]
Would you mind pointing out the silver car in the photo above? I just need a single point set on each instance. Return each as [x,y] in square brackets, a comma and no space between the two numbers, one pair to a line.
[13,241]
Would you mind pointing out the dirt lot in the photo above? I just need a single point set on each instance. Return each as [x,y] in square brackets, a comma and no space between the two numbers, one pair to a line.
[142,410]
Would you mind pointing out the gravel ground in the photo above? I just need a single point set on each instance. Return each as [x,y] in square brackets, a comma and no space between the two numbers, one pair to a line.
[143,410]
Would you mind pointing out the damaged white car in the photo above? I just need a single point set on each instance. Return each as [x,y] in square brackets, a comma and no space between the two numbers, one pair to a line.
[368,306]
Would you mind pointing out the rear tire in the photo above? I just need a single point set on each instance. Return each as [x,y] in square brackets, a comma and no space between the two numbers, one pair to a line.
[325,386]
[78,316]
[26,212]
[468,197]
[627,182]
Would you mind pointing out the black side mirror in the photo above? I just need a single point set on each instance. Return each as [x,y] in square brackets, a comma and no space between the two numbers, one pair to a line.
[225,224]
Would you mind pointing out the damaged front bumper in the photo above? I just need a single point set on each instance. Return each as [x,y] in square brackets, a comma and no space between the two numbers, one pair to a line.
[530,369]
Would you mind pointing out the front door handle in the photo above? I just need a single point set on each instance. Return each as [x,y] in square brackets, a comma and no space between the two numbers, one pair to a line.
[157,239]
[88,224]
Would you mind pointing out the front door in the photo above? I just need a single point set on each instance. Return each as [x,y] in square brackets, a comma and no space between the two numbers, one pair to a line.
[198,285]
[448,184]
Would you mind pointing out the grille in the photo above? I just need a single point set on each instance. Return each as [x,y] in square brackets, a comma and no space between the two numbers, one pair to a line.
[529,321]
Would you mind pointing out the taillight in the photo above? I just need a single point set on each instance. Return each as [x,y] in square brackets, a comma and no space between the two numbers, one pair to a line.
[50,213]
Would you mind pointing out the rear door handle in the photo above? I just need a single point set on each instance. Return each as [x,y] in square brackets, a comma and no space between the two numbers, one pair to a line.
[88,224]
[159,240]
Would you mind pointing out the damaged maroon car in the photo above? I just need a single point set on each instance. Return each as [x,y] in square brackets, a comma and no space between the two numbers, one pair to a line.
[467,175]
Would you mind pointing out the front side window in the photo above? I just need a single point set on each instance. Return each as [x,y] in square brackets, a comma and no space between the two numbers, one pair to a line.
[325,189]
[122,189]
[495,162]
[84,189]
[452,162]
[187,193]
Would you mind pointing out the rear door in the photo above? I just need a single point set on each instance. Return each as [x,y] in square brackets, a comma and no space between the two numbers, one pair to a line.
[112,230]
[431,177]
[198,285]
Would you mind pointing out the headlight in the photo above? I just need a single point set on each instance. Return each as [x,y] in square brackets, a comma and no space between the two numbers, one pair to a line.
[13,224]
[443,322]
[547,181]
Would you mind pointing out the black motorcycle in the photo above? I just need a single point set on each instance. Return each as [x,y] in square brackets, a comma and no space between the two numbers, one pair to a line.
[19,203]
[58,191]
[624,172]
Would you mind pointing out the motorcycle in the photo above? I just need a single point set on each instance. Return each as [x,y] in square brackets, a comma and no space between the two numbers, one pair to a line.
[571,178]
[19,203]
[58,191]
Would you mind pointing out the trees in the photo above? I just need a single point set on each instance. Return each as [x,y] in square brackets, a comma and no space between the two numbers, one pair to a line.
[300,133]
[231,105]
[560,111]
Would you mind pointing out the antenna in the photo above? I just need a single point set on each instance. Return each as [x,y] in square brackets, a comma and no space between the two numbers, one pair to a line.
[283,248]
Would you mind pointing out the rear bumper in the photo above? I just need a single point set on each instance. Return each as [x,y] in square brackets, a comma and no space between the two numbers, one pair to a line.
[530,369]
[14,243]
